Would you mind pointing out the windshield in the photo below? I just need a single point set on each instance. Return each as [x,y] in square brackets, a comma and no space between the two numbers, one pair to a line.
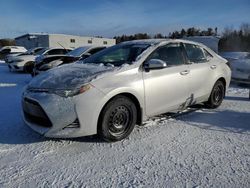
[117,55]
[77,52]
[40,52]
[28,52]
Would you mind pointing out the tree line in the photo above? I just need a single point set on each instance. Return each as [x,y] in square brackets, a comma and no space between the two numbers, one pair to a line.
[236,39]
[230,39]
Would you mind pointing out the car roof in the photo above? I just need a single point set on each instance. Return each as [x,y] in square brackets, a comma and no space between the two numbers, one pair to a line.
[161,41]
[55,48]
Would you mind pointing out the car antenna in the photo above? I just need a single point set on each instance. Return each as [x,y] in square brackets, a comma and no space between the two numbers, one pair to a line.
[62,46]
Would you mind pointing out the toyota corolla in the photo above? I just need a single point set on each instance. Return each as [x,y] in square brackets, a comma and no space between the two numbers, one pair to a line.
[115,89]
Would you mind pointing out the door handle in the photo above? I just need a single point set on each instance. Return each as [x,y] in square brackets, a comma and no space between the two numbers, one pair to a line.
[213,66]
[185,72]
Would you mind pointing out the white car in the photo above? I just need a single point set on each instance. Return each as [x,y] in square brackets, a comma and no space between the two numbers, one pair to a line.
[25,63]
[118,87]
[241,71]
[240,66]
[9,58]
[57,60]
[14,50]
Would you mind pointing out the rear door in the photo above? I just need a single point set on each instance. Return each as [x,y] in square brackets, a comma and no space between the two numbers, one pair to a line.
[201,71]
[166,89]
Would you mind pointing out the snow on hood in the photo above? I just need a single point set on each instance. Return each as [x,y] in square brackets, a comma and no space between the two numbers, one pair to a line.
[68,76]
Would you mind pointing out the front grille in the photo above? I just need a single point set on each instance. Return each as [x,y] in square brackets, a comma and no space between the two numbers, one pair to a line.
[34,113]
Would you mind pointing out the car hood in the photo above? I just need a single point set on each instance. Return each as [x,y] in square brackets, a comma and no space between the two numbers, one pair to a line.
[68,76]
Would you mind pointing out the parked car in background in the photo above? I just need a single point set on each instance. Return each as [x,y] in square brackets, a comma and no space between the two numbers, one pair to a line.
[9,58]
[25,63]
[58,60]
[231,56]
[240,66]
[6,50]
[111,91]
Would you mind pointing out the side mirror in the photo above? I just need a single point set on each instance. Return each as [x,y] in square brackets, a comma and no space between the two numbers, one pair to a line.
[154,64]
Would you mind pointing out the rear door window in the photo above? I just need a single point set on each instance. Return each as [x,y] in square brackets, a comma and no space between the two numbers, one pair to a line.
[195,54]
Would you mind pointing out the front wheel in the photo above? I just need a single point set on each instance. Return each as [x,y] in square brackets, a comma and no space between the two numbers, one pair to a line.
[118,119]
[28,67]
[216,96]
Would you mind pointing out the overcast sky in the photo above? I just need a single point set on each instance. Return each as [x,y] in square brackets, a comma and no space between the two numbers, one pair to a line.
[109,18]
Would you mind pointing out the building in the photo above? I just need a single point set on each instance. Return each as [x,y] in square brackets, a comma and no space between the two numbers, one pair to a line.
[32,40]
[210,41]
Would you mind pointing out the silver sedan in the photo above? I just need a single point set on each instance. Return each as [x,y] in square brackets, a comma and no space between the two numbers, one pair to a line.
[115,89]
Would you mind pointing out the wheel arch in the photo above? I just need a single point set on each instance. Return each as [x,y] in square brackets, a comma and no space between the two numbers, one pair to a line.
[27,65]
[134,100]
[223,80]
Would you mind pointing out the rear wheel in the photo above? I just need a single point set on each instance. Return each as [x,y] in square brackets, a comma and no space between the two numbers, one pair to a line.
[216,96]
[117,119]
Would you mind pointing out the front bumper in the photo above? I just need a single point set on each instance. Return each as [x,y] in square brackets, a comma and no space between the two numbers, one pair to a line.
[50,115]
[15,67]
[58,117]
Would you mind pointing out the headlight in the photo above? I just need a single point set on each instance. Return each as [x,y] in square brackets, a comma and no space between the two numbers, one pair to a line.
[72,92]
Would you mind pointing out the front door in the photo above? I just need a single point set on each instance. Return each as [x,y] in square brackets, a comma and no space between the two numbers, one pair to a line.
[166,89]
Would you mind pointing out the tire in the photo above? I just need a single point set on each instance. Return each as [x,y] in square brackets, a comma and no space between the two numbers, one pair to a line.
[28,67]
[216,96]
[117,119]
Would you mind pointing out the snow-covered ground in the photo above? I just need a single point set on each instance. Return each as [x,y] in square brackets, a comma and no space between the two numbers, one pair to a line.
[201,148]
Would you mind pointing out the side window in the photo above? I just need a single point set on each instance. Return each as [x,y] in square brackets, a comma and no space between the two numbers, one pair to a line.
[195,53]
[93,51]
[56,52]
[207,54]
[52,52]
[171,54]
